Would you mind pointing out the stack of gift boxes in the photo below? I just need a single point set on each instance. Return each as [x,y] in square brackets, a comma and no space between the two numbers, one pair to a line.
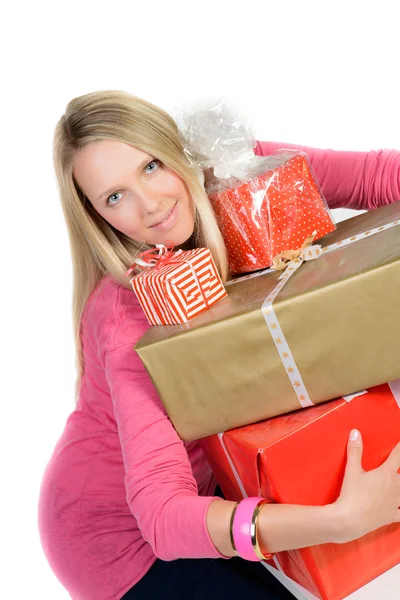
[277,367]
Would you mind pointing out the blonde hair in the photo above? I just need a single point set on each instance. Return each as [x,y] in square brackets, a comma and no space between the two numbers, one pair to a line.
[97,248]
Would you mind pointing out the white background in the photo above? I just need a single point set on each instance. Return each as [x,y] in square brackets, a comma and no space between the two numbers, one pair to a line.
[317,73]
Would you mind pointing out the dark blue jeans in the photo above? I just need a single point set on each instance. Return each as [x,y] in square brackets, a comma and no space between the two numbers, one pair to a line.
[203,578]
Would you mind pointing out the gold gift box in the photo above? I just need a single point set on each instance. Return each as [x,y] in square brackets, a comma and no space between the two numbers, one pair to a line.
[339,314]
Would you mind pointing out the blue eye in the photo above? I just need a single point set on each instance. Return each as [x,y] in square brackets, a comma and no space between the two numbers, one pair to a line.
[154,164]
[108,199]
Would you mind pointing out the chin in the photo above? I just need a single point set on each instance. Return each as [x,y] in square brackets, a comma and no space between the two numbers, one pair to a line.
[180,236]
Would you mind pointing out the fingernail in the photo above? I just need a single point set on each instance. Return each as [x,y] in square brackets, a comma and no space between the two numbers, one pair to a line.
[354,435]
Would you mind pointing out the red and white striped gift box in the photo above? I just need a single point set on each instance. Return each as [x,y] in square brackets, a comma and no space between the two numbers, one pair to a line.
[177,286]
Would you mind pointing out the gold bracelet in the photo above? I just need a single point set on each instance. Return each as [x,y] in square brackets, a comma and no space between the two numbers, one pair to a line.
[231,526]
[253,532]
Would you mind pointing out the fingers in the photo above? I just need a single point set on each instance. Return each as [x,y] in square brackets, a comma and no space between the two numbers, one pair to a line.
[393,460]
[354,452]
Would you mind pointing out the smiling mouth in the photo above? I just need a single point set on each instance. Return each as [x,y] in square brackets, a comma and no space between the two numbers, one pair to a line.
[165,219]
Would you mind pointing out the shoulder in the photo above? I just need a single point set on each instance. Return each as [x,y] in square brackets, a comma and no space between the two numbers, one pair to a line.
[113,315]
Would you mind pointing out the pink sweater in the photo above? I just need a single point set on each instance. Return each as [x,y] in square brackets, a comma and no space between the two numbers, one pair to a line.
[121,488]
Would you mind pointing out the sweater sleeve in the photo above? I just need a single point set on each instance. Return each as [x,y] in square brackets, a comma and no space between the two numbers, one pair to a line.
[161,489]
[357,180]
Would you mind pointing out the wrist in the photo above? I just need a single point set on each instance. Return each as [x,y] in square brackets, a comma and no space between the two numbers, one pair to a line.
[338,524]
[345,525]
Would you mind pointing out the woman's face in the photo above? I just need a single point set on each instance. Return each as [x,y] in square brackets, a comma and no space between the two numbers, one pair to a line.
[136,193]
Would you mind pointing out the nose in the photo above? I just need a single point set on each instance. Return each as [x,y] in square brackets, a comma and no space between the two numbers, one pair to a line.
[148,199]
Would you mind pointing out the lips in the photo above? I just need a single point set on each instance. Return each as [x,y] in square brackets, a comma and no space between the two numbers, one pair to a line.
[164,219]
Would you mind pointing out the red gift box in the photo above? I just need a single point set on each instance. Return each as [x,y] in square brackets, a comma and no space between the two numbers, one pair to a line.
[273,212]
[299,458]
[176,286]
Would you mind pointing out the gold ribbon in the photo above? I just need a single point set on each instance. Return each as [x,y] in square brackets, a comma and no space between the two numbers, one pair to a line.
[282,260]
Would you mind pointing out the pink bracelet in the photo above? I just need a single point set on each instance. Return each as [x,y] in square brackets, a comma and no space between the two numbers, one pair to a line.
[244,529]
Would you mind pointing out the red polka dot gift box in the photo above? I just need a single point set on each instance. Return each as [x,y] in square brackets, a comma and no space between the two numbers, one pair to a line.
[270,213]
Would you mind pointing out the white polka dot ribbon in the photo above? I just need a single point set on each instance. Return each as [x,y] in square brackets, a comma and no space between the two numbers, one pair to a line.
[290,261]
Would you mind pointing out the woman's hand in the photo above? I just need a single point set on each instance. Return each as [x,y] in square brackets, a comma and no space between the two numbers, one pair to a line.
[368,499]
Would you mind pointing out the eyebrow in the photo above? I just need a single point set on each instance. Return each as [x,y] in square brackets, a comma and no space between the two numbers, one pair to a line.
[116,187]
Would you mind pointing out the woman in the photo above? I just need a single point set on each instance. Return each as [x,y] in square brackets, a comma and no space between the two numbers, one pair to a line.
[126,508]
